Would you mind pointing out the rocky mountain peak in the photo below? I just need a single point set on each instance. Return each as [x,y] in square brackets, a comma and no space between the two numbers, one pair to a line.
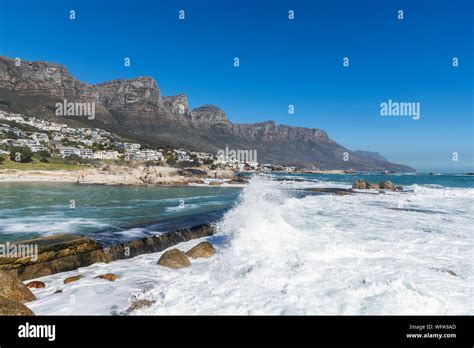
[37,77]
[126,94]
[135,82]
[177,104]
[134,108]
[209,115]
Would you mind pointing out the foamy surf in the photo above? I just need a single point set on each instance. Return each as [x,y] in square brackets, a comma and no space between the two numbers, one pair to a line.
[278,253]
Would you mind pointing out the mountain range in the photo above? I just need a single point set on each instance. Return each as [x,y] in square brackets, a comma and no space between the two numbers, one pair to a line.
[135,109]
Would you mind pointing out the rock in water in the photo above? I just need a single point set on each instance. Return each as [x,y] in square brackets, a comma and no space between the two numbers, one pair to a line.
[13,288]
[359,184]
[372,186]
[35,285]
[174,258]
[202,250]
[72,279]
[387,185]
[139,304]
[109,276]
[10,307]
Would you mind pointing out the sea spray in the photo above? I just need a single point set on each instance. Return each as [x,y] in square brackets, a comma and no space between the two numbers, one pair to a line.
[281,252]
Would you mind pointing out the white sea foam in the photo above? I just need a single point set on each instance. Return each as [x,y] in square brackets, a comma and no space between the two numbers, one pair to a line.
[46,225]
[403,253]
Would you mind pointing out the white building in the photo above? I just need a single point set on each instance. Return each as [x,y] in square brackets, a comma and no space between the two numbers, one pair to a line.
[85,153]
[153,155]
[68,151]
[111,155]
[87,142]
[36,147]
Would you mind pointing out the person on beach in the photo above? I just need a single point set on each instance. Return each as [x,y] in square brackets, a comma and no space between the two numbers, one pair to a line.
[81,176]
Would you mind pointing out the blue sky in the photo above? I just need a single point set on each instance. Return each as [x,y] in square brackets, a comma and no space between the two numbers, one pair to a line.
[282,62]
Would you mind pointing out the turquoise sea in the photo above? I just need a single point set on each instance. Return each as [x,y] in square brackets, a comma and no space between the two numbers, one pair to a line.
[114,213]
[280,249]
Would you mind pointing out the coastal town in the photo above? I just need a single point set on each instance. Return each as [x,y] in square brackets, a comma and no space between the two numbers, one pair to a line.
[35,149]
[49,139]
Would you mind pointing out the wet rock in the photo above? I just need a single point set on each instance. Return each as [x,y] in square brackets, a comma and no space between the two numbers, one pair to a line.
[11,307]
[72,279]
[109,276]
[57,253]
[215,183]
[202,250]
[174,258]
[398,188]
[445,271]
[331,190]
[64,253]
[139,304]
[372,186]
[359,184]
[59,291]
[13,288]
[35,285]
[239,180]
[387,185]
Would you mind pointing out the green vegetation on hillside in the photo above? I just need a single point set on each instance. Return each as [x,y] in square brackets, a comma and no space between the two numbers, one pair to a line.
[36,164]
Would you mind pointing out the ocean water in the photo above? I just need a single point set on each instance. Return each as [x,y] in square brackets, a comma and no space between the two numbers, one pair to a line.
[106,213]
[283,250]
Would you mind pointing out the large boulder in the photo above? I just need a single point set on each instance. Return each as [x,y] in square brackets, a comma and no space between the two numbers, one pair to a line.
[372,186]
[72,279]
[35,285]
[13,288]
[387,185]
[202,250]
[109,276]
[11,307]
[174,258]
[359,184]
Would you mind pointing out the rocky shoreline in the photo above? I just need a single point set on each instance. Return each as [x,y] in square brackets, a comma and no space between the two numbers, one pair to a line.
[68,252]
[123,175]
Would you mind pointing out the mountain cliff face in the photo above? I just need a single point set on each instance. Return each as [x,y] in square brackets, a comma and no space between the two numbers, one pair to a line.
[135,108]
